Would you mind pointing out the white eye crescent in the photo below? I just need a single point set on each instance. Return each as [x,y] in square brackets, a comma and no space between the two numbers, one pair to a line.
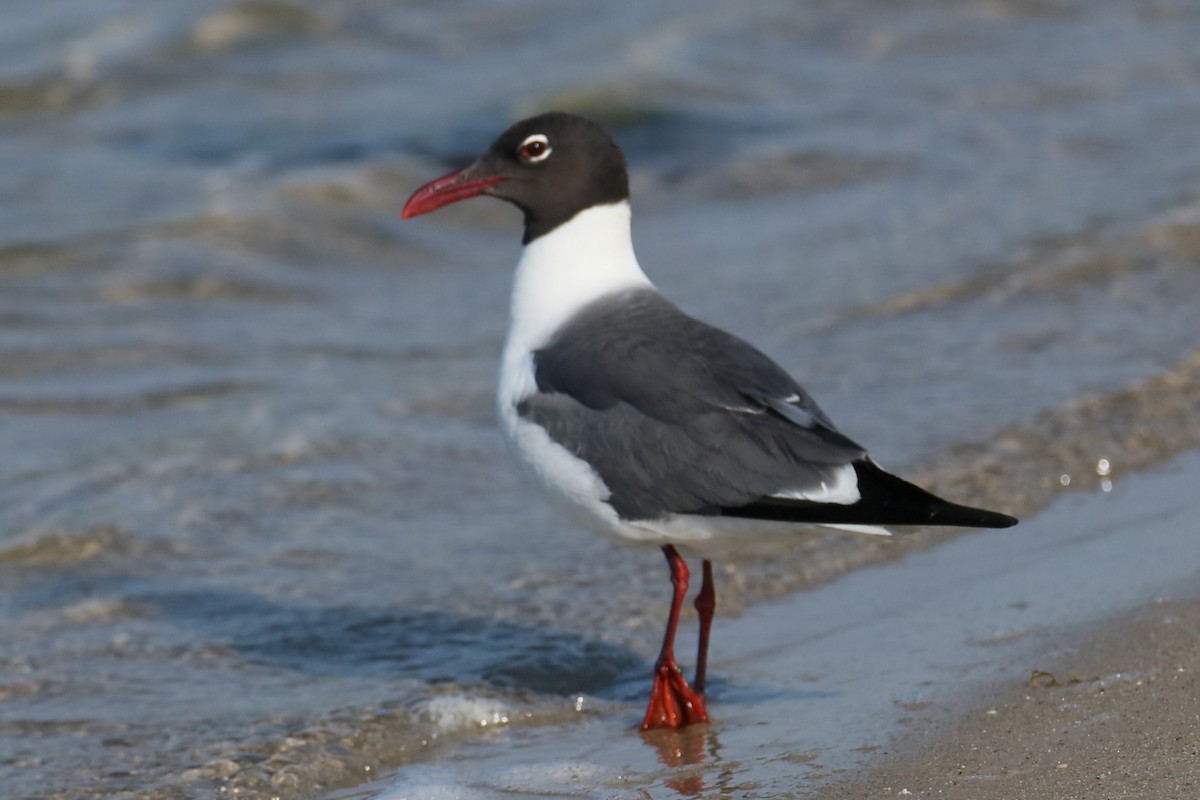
[535,148]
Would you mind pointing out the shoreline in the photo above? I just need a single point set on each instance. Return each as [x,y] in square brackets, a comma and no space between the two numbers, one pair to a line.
[1116,716]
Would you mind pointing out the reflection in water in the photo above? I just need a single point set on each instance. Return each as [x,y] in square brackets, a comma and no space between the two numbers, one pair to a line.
[684,750]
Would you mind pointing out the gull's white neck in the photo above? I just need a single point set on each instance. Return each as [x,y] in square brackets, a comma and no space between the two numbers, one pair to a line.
[584,259]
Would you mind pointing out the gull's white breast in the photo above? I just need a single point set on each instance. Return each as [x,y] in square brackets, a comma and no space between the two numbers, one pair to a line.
[559,274]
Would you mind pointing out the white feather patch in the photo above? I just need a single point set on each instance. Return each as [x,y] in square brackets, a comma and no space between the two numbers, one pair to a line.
[873,530]
[584,259]
[725,537]
[843,490]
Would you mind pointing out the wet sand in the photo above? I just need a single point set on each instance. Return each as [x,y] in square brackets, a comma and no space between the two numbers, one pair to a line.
[1119,717]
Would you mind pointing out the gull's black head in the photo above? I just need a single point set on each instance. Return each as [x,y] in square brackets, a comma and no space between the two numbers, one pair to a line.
[551,167]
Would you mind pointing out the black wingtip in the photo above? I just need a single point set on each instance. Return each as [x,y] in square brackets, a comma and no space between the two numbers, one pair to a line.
[886,500]
[896,496]
[968,517]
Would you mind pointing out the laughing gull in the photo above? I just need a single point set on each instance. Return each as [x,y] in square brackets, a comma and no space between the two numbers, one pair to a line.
[643,423]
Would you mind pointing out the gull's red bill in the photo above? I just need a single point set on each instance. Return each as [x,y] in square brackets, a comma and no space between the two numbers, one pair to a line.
[446,190]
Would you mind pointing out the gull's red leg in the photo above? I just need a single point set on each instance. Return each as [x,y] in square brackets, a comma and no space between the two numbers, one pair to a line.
[706,602]
[673,704]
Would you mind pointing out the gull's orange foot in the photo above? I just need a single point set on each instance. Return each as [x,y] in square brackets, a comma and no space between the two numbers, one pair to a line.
[673,704]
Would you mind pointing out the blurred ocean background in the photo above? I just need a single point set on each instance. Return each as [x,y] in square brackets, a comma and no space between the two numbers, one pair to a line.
[258,533]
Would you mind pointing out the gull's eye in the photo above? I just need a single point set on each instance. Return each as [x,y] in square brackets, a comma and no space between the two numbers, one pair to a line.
[535,148]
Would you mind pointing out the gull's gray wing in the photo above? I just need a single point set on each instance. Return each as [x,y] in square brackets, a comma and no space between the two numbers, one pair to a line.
[677,416]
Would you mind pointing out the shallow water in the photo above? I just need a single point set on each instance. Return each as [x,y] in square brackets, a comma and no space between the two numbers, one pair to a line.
[860,663]
[257,529]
